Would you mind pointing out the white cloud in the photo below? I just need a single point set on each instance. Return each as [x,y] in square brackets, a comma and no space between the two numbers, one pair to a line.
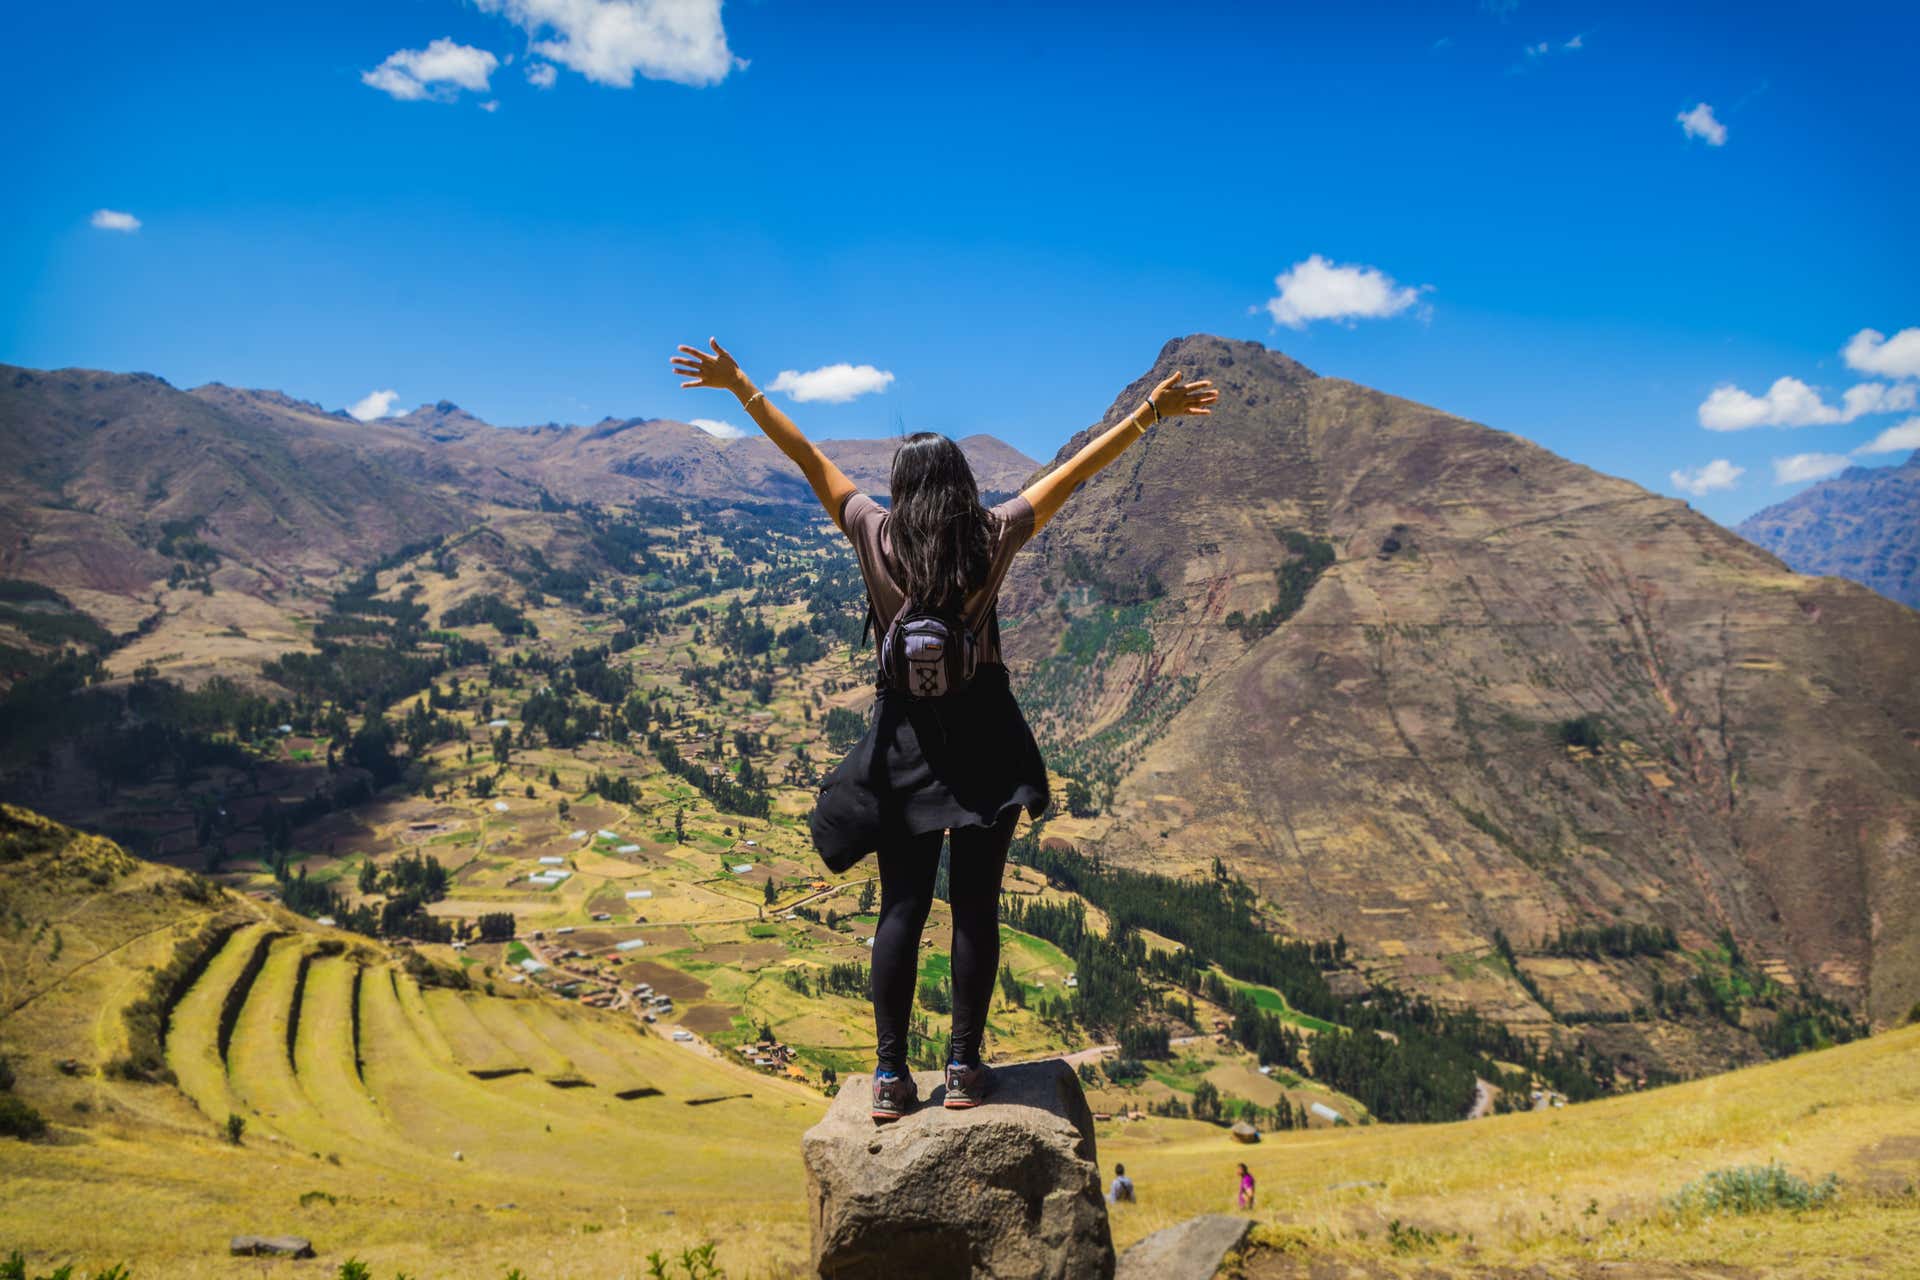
[1699,123]
[438,71]
[1699,481]
[1807,466]
[1790,402]
[1876,397]
[114,220]
[541,75]
[490,106]
[1321,290]
[608,40]
[834,383]
[375,404]
[715,427]
[1896,439]
[1578,42]
[1871,351]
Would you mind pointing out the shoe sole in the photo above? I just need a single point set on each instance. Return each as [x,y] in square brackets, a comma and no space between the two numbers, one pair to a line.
[886,1117]
[960,1104]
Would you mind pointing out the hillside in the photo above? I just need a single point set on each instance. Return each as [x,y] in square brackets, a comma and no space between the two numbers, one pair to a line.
[391,1107]
[1863,524]
[206,527]
[1429,686]
[395,1115]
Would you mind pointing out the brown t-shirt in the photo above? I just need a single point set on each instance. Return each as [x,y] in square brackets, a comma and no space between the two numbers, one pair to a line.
[866,524]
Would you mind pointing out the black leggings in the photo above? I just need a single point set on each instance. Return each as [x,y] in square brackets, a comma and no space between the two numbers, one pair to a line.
[907,871]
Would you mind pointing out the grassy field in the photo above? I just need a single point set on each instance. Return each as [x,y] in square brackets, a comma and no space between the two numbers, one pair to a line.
[368,1131]
[1565,1188]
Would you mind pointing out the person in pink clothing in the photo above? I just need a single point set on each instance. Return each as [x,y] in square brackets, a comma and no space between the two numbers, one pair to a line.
[1246,1187]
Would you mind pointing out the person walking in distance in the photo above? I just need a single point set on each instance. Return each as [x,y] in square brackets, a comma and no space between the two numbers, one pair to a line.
[947,755]
[1246,1187]
[1121,1192]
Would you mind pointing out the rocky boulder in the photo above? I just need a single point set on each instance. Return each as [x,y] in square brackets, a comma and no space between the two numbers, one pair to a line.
[1190,1250]
[1008,1189]
[270,1247]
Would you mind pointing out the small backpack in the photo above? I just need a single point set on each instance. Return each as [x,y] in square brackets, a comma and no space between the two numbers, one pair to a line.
[931,651]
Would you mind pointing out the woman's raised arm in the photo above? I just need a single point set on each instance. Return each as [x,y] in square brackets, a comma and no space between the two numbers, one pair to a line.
[1171,399]
[720,369]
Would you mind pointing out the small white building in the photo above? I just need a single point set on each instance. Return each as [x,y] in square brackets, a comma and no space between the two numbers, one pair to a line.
[530,965]
[499,806]
[741,868]
[605,834]
[1327,1113]
[553,860]
[638,893]
[565,928]
[498,724]
[577,835]
[631,944]
[628,848]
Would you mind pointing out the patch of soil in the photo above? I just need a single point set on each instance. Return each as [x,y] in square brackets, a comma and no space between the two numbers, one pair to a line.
[668,982]
[746,955]
[708,1019]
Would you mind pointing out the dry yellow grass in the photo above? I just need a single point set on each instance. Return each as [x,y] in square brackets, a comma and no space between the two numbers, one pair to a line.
[1581,1183]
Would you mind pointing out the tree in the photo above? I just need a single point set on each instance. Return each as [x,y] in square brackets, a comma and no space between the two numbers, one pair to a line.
[369,877]
[680,826]
[1206,1101]
[502,746]
[772,892]
[866,897]
[236,1125]
[1080,799]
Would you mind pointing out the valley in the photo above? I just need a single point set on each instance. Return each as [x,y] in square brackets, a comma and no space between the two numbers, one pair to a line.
[468,773]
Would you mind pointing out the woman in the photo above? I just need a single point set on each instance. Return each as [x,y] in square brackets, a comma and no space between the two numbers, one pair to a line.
[1246,1187]
[965,763]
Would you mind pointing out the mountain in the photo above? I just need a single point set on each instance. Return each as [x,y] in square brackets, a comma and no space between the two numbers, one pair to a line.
[109,478]
[1862,524]
[1432,687]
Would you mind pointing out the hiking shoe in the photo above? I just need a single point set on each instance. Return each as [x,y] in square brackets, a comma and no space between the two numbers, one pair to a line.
[893,1096]
[966,1085]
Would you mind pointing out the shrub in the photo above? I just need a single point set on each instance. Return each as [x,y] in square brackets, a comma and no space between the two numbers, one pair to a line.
[236,1126]
[1582,731]
[18,1120]
[1752,1188]
[14,1267]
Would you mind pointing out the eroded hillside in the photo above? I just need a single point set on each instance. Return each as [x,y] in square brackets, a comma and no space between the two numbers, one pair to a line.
[1517,696]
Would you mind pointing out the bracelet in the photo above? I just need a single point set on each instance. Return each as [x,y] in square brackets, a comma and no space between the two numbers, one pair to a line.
[1156,409]
[748,402]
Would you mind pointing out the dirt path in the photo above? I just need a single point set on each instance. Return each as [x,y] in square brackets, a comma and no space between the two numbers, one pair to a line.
[1483,1095]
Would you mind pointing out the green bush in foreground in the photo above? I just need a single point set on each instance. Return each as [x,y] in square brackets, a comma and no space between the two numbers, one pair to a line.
[14,1267]
[1751,1188]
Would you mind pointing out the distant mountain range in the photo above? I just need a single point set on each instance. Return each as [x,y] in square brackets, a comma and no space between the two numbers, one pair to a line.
[1862,524]
[96,468]
[1430,685]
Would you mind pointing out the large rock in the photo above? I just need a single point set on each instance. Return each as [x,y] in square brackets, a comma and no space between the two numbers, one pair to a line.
[1190,1250]
[270,1246]
[1008,1189]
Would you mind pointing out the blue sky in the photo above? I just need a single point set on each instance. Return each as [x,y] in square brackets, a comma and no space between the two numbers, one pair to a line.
[1499,205]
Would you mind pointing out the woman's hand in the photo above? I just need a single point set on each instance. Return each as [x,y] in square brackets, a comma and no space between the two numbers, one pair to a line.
[1174,398]
[719,369]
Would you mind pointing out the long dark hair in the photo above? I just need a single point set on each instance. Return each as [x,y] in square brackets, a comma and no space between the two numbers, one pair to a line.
[942,536]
